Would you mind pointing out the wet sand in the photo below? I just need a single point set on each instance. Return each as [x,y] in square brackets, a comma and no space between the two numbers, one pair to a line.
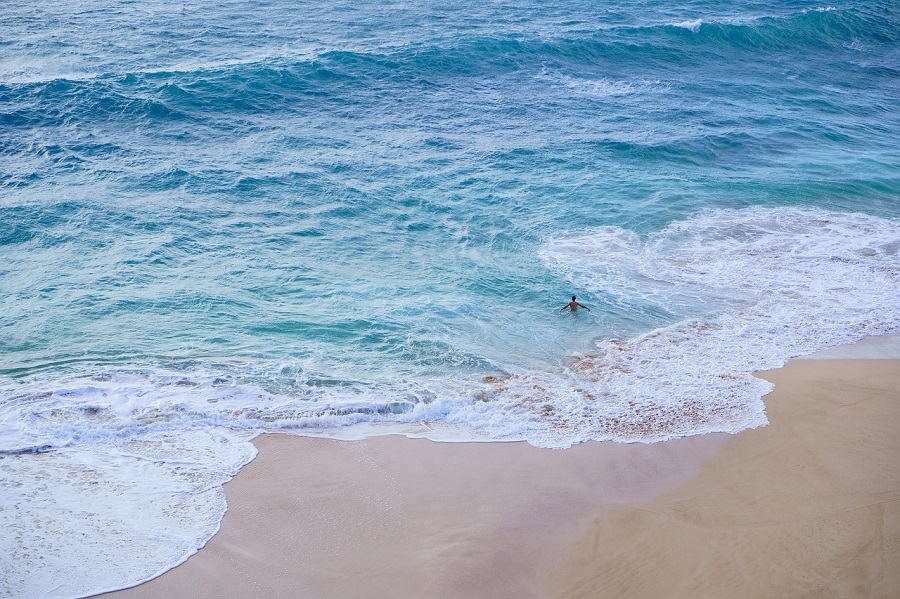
[806,506]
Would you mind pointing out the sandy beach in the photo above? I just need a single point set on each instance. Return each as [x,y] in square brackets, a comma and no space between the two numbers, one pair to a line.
[808,506]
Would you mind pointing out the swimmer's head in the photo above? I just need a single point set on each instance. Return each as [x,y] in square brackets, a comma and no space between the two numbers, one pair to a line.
[573,298]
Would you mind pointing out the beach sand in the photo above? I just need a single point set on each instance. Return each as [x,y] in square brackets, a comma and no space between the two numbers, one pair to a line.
[808,506]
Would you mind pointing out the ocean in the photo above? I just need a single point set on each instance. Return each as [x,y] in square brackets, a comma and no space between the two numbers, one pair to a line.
[348,219]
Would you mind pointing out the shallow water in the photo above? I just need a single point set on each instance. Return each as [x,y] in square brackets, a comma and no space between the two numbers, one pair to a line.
[228,218]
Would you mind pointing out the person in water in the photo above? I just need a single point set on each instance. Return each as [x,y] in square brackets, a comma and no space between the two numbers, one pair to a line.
[573,306]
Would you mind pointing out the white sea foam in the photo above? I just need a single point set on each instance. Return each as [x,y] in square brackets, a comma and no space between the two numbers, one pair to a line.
[781,283]
[40,72]
[99,517]
[690,25]
[694,25]
[603,88]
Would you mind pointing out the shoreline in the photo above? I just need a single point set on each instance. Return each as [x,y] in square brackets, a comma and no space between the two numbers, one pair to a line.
[786,505]
[807,506]
[410,499]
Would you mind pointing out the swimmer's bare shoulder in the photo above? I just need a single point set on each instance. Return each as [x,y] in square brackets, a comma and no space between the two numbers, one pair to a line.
[573,306]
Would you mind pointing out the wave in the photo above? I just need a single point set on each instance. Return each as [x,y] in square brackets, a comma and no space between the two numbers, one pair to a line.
[105,121]
[768,284]
[503,52]
[808,27]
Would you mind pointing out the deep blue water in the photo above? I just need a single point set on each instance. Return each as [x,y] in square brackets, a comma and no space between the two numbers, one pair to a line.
[229,217]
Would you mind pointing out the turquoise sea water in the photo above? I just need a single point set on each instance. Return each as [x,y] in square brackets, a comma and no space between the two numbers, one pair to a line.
[218,219]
